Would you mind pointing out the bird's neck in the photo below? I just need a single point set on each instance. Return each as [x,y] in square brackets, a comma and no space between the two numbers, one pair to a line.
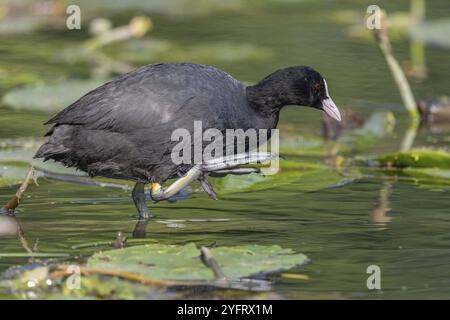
[266,100]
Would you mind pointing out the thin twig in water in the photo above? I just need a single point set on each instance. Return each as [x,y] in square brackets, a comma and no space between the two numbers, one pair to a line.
[22,239]
[221,281]
[212,263]
[14,202]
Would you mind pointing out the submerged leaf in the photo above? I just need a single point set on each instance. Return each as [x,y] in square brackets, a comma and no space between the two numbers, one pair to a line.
[430,177]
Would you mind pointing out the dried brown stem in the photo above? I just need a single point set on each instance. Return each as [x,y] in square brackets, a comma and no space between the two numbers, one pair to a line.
[209,260]
[15,200]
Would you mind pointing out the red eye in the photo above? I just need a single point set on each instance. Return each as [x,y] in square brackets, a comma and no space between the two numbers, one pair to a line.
[317,87]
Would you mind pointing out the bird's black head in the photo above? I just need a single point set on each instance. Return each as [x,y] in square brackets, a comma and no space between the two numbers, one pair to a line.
[293,86]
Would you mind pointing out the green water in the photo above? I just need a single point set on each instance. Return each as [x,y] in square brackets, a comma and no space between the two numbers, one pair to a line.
[335,227]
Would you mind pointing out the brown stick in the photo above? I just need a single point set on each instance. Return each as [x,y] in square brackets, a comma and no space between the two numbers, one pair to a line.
[212,263]
[22,239]
[15,200]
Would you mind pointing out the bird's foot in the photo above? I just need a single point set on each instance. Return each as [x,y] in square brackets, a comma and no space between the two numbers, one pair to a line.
[221,167]
[207,187]
[198,172]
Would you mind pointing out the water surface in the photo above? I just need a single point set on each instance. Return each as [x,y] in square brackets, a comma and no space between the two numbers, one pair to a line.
[336,227]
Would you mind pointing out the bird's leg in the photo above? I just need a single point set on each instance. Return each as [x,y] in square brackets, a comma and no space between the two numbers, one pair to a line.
[140,229]
[197,172]
[138,195]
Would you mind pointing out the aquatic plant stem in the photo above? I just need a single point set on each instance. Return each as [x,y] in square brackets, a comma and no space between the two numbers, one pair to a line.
[410,136]
[417,48]
[15,200]
[14,203]
[382,38]
[137,28]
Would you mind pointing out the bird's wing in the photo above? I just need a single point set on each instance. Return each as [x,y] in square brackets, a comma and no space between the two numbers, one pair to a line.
[152,97]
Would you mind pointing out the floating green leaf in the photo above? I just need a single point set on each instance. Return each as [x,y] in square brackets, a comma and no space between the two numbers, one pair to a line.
[173,262]
[304,181]
[422,158]
[289,172]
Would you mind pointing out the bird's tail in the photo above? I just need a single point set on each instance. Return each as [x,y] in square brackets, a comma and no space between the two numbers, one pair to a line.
[51,151]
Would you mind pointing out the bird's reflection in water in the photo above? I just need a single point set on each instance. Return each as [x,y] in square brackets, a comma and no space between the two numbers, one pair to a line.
[140,229]
[378,214]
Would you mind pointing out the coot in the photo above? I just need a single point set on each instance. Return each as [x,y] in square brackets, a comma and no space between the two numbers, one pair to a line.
[123,128]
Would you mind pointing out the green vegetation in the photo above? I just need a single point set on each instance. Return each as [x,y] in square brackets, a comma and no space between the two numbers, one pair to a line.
[390,209]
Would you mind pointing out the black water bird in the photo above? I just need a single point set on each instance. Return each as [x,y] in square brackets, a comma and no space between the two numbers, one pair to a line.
[123,128]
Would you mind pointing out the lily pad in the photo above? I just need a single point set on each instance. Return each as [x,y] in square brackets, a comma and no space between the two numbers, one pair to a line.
[50,97]
[306,176]
[174,262]
[421,158]
[304,181]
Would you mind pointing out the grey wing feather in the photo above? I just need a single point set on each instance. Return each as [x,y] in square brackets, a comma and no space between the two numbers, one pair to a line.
[152,96]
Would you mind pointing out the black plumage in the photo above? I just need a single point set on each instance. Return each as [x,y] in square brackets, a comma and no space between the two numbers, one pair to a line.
[123,128]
